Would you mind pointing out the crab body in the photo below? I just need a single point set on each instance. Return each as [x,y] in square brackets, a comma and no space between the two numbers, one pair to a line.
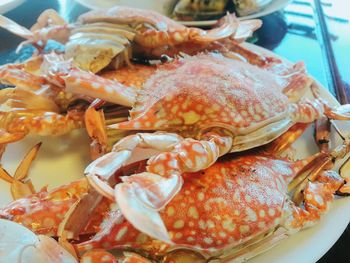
[235,206]
[218,208]
[202,107]
[193,95]
[223,94]
[234,209]
[104,37]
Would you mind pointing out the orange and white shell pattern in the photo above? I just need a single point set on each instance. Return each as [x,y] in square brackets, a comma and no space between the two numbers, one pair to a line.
[227,93]
[223,206]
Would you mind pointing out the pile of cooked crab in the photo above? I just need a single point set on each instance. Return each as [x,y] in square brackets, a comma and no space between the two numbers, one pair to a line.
[219,115]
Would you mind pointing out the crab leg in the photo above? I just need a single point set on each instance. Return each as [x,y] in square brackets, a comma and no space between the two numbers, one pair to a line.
[15,28]
[13,74]
[322,133]
[56,31]
[41,123]
[317,197]
[21,186]
[18,98]
[308,111]
[282,143]
[312,171]
[95,86]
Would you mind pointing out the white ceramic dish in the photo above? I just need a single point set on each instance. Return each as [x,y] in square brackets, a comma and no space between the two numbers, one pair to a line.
[62,160]
[7,5]
[158,5]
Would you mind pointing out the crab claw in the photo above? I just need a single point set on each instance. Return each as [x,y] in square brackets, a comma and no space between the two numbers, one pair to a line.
[19,244]
[227,28]
[246,29]
[140,197]
[152,190]
[106,165]
[138,204]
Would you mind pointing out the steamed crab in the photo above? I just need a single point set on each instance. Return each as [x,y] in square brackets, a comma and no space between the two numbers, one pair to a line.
[36,104]
[203,107]
[234,209]
[99,37]
[38,100]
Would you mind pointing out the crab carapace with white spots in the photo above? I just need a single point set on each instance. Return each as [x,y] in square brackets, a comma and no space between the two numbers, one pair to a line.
[236,208]
[110,37]
[202,107]
[237,205]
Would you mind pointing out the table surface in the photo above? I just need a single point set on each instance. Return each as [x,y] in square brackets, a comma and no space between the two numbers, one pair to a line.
[316,32]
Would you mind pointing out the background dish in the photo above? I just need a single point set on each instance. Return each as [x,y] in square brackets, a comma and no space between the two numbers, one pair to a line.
[96,4]
[7,5]
[60,161]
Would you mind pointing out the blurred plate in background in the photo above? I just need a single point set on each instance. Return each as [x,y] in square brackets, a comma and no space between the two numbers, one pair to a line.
[7,5]
[165,7]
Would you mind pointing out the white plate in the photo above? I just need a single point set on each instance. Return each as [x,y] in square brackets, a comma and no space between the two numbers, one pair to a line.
[274,6]
[7,5]
[62,160]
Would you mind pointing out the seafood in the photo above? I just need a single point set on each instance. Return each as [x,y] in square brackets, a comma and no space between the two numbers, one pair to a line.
[40,102]
[42,212]
[102,37]
[207,226]
[35,105]
[235,209]
[183,202]
[203,107]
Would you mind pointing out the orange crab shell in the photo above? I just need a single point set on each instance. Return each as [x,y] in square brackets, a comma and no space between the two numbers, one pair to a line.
[225,93]
[43,212]
[223,206]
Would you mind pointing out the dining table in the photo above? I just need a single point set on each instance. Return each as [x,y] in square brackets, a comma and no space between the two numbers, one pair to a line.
[314,31]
